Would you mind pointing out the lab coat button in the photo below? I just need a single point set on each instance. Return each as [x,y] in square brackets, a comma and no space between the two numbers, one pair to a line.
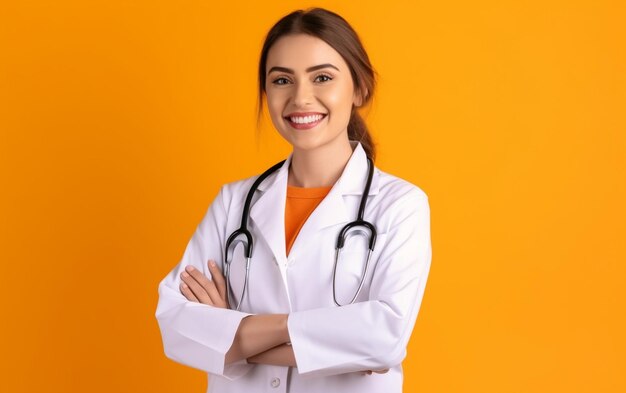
[275,382]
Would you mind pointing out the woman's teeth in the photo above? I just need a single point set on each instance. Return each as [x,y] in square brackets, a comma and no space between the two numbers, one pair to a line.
[306,119]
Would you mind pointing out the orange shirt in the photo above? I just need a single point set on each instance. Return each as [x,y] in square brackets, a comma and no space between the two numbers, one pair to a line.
[299,205]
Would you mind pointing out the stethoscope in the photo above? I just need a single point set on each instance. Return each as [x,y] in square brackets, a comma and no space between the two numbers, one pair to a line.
[363,226]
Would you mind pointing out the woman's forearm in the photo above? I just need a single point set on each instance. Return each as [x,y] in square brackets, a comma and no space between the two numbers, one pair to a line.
[281,355]
[257,334]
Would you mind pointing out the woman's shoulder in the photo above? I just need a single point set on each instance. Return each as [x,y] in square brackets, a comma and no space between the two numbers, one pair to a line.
[238,186]
[400,203]
[399,188]
[236,191]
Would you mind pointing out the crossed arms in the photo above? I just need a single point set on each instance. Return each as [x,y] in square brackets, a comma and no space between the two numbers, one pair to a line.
[260,339]
[199,330]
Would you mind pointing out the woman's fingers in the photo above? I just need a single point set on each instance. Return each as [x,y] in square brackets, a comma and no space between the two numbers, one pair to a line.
[185,290]
[209,287]
[198,290]
[219,281]
[204,288]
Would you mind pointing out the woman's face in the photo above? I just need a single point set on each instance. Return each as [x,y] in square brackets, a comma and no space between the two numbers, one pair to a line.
[309,91]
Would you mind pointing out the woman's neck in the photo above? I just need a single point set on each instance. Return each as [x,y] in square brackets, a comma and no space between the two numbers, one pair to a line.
[320,167]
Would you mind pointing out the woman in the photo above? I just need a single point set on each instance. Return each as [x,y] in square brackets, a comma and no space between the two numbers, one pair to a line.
[297,324]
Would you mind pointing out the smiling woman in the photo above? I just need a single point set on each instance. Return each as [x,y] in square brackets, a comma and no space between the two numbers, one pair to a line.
[302,97]
[322,302]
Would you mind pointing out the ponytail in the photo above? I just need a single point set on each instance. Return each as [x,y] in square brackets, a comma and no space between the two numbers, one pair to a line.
[358,131]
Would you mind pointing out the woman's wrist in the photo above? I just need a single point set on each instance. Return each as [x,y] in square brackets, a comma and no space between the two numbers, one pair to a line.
[281,355]
[285,328]
[256,334]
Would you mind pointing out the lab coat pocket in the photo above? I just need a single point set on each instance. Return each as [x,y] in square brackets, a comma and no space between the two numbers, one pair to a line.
[351,268]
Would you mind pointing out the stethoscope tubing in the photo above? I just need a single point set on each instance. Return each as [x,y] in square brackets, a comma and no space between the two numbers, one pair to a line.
[231,243]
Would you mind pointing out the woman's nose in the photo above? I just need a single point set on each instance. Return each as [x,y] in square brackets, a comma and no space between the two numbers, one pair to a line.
[303,94]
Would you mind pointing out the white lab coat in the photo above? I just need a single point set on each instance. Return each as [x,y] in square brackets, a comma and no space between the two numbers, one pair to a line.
[330,343]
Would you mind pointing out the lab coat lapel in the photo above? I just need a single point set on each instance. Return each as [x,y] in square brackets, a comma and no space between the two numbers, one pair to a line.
[268,212]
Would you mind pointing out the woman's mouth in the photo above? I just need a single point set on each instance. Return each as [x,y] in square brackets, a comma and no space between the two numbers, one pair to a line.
[305,122]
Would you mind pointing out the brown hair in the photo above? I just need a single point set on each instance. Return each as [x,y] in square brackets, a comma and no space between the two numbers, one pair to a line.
[337,33]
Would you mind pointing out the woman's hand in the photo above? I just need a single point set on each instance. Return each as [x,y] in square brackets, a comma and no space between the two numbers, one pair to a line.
[198,288]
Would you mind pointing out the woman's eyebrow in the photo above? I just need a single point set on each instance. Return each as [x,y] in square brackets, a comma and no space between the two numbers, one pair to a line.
[310,69]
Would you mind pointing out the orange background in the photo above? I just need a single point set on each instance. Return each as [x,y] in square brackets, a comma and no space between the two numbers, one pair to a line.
[119,120]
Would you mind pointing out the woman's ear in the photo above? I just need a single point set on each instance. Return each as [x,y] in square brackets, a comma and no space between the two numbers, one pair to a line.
[358,97]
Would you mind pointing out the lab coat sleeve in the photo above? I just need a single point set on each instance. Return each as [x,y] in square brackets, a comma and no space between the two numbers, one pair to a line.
[373,334]
[196,334]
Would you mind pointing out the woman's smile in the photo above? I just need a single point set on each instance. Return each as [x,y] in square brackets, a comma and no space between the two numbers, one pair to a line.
[305,122]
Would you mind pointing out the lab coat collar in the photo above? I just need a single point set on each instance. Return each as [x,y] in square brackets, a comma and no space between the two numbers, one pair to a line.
[268,213]
[351,182]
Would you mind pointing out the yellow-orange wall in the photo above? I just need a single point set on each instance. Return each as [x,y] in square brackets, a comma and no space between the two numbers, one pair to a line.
[119,120]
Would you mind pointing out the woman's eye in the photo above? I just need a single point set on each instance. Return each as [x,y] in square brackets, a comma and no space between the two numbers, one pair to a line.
[279,79]
[284,81]
[328,78]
